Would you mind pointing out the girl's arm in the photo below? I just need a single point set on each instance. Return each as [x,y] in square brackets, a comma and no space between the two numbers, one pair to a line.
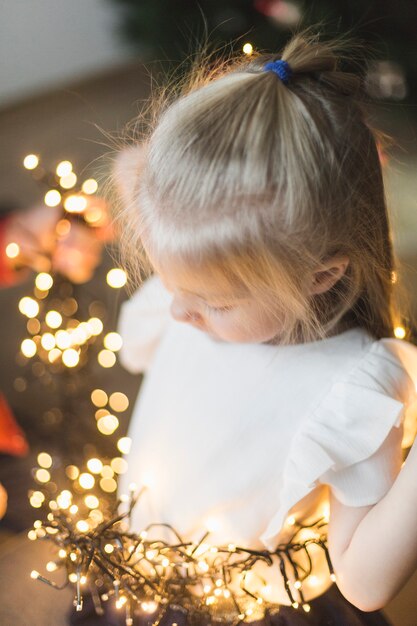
[374,548]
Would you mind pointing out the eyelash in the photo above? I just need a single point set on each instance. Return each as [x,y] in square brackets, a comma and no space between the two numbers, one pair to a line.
[220,309]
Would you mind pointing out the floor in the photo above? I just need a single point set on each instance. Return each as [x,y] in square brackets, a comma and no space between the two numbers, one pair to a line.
[74,123]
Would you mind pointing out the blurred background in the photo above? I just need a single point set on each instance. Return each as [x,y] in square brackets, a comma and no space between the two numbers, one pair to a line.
[72,75]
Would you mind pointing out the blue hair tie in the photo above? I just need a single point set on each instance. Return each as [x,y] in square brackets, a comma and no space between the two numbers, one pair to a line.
[281,69]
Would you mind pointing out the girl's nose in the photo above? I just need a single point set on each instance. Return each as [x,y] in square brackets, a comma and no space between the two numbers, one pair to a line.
[183,313]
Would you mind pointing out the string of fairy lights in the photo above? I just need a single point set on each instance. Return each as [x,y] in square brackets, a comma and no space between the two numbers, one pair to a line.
[60,343]
[153,575]
[94,543]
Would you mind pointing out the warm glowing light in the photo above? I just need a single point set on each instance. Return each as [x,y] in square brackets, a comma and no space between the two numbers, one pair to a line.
[108,485]
[48,341]
[42,475]
[38,495]
[93,215]
[247,48]
[73,576]
[63,339]
[52,197]
[106,358]
[101,413]
[75,204]
[29,307]
[107,424]
[89,186]
[72,472]
[64,501]
[119,465]
[394,276]
[63,227]
[44,460]
[212,524]
[306,607]
[34,574]
[96,515]
[124,445]
[91,501]
[99,397]
[28,348]
[81,334]
[12,250]
[95,466]
[121,602]
[33,326]
[44,281]
[83,526]
[399,332]
[119,401]
[53,319]
[73,509]
[108,548]
[86,480]
[291,520]
[68,181]
[54,355]
[63,168]
[149,607]
[95,325]
[31,162]
[70,357]
[116,278]
[51,566]
[107,472]
[113,341]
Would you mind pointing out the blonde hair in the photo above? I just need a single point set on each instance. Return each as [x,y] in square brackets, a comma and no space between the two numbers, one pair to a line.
[259,183]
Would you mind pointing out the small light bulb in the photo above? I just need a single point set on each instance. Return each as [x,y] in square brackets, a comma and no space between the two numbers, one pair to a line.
[63,168]
[116,278]
[89,186]
[12,250]
[52,198]
[31,161]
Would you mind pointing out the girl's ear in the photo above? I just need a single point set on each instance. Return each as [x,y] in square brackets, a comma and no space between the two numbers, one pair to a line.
[126,169]
[323,280]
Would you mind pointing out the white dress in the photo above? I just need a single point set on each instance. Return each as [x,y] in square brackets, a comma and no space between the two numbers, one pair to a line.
[233,437]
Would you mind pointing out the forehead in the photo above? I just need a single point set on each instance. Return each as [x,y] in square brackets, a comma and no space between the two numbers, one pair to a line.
[207,282]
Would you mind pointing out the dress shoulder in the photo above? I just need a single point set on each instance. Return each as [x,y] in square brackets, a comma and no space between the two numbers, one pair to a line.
[352,439]
[142,322]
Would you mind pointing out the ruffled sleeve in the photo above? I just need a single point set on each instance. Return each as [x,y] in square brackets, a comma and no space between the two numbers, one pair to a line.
[352,439]
[142,323]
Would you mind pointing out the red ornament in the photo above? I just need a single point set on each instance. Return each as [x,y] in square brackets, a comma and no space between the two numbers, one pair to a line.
[12,439]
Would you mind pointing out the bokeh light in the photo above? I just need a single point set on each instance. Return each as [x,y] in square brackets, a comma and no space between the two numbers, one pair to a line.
[107,424]
[52,198]
[44,281]
[106,358]
[31,161]
[29,307]
[113,341]
[118,401]
[99,398]
[116,278]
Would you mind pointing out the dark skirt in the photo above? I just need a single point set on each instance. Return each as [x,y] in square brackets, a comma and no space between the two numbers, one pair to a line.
[329,609]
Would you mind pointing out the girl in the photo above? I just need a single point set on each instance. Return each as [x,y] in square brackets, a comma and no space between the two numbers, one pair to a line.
[275,390]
